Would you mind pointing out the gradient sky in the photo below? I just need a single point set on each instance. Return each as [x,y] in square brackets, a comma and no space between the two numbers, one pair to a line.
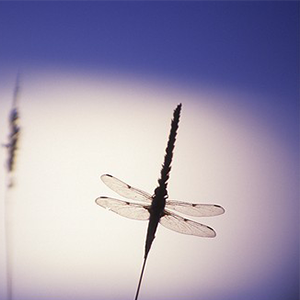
[99,82]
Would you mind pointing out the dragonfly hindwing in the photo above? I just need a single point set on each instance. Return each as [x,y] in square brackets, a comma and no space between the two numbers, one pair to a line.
[123,208]
[179,224]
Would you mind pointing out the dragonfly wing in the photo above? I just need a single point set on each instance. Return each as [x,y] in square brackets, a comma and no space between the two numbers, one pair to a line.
[123,208]
[125,190]
[186,226]
[195,210]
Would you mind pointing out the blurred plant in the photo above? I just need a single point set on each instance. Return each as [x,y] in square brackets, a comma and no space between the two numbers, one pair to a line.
[11,146]
[14,133]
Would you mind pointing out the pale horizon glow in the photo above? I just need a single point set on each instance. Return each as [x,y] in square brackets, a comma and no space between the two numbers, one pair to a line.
[76,128]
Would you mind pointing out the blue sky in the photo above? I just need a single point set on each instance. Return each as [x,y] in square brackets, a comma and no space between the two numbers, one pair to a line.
[252,45]
[242,58]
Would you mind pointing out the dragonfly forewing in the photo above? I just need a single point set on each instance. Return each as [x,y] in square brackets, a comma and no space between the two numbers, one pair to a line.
[195,210]
[185,226]
[123,208]
[125,190]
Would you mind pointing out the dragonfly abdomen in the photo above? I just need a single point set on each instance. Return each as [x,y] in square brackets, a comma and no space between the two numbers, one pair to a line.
[152,226]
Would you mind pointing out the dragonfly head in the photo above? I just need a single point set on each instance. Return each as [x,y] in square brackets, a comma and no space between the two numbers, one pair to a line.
[160,193]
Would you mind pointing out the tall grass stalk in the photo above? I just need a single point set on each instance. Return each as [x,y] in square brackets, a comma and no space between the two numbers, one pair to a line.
[161,193]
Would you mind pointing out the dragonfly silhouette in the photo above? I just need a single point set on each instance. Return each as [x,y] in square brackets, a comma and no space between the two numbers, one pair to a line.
[156,208]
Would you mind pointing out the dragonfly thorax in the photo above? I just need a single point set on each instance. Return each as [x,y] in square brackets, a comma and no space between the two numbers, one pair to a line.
[158,201]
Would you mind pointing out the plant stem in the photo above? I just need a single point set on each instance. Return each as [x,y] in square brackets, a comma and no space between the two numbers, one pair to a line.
[141,277]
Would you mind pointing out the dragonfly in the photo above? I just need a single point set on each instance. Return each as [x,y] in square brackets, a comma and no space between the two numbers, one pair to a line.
[140,208]
[156,208]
